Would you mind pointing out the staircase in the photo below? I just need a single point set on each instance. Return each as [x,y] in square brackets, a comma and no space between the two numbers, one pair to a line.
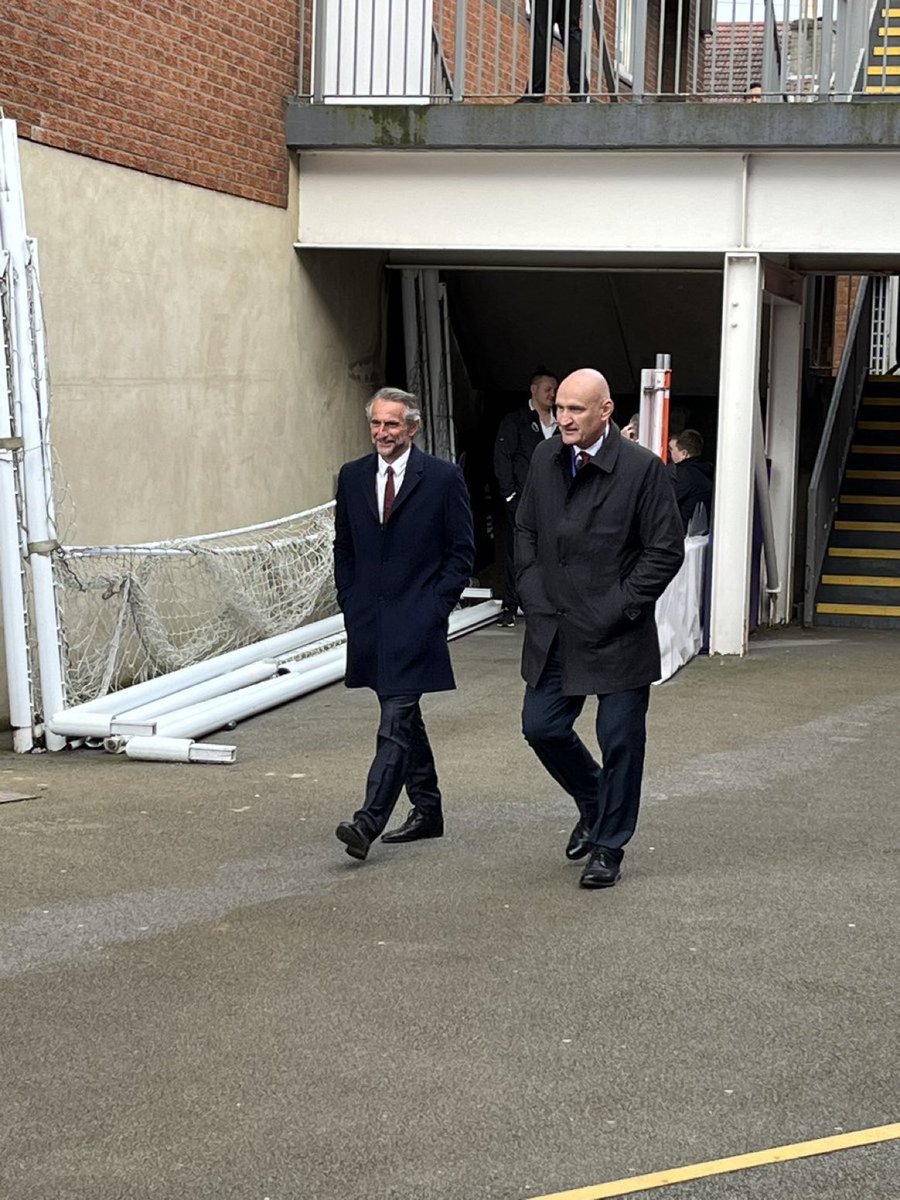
[883,67]
[860,584]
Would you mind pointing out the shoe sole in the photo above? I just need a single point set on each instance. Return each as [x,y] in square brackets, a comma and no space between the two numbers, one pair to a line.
[393,840]
[594,884]
[356,845]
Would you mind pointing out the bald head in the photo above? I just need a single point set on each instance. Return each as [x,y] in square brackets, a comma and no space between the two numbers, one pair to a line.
[583,407]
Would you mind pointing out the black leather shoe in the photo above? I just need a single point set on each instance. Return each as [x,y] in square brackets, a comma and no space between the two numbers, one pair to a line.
[355,841]
[602,870]
[578,845]
[417,825]
[530,98]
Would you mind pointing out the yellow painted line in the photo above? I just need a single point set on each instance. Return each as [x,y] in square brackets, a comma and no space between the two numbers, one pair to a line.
[878,425]
[739,1162]
[883,70]
[884,401]
[848,552]
[889,31]
[869,526]
[875,449]
[862,580]
[873,474]
[885,51]
[874,90]
[885,501]
[860,610]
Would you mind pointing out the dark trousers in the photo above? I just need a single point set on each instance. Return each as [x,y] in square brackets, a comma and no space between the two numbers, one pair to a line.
[402,756]
[556,9]
[607,797]
[510,596]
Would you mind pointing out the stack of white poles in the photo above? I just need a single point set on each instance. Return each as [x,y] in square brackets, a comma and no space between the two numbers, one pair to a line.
[26,542]
[161,718]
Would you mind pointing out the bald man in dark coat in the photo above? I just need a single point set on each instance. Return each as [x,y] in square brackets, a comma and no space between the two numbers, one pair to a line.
[598,538]
[403,552]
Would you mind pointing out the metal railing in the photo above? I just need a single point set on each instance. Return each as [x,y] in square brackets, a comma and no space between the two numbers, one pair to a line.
[837,434]
[427,51]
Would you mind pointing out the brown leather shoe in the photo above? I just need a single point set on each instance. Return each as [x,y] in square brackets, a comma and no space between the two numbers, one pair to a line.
[416,826]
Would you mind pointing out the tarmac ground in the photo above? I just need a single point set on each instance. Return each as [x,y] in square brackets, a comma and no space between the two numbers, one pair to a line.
[203,997]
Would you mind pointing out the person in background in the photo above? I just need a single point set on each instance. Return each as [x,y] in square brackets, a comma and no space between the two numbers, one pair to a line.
[566,16]
[630,431]
[403,552]
[691,474]
[520,432]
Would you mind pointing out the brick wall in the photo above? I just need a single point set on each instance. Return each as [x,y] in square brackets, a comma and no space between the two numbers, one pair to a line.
[193,91]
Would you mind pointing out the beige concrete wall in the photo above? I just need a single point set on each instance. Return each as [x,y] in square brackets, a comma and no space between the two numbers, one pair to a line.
[204,377]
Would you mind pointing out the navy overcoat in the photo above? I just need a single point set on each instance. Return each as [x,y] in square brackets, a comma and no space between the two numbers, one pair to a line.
[398,584]
[594,552]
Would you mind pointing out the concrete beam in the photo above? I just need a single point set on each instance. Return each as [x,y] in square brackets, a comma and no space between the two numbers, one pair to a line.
[863,125]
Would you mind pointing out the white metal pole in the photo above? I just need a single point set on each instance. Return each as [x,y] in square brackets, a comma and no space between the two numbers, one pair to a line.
[733,505]
[782,431]
[12,589]
[41,533]
[163,685]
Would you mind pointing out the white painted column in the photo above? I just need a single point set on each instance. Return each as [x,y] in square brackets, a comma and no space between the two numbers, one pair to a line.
[738,396]
[782,434]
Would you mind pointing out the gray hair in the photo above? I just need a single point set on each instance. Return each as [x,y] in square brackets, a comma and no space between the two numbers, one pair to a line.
[413,412]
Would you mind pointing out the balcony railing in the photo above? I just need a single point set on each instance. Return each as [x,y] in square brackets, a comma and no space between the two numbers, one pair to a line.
[494,51]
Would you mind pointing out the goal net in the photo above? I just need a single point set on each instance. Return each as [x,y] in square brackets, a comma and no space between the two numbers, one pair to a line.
[129,613]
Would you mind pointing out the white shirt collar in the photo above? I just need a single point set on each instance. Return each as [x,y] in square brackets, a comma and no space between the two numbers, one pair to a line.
[399,464]
[547,430]
[592,450]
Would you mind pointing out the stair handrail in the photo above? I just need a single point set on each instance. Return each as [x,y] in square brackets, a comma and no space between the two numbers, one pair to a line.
[834,447]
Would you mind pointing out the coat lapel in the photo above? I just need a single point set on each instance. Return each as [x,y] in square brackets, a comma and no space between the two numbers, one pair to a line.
[412,477]
[370,473]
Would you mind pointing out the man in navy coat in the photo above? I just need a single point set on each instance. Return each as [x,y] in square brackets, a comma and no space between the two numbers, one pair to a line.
[403,552]
[598,537]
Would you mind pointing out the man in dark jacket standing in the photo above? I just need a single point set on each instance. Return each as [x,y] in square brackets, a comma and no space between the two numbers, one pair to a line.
[403,552]
[519,434]
[598,539]
[691,475]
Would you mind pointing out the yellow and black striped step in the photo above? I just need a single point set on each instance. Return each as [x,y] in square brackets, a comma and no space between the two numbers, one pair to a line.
[860,583]
[883,62]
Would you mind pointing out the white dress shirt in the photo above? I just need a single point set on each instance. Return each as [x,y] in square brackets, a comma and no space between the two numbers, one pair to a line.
[399,465]
[547,430]
[591,450]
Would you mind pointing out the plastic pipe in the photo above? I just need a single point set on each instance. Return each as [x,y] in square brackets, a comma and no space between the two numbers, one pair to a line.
[12,596]
[183,750]
[210,715]
[141,721]
[464,620]
[70,720]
